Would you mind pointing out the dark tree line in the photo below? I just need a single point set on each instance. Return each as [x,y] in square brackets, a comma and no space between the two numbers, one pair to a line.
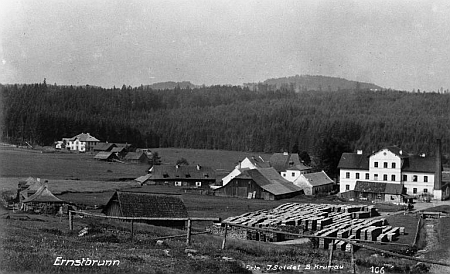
[228,117]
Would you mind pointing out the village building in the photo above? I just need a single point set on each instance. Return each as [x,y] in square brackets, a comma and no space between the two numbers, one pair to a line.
[315,183]
[246,164]
[378,192]
[138,157]
[144,204]
[419,175]
[106,147]
[285,161]
[261,183]
[106,156]
[195,177]
[43,201]
[82,142]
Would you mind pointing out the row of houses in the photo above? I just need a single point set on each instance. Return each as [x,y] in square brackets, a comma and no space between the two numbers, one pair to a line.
[392,174]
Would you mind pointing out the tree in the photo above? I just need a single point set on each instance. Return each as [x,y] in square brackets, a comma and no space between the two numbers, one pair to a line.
[155,159]
[182,162]
[304,156]
[329,153]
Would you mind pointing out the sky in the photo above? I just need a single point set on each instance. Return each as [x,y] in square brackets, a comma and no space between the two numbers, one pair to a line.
[395,44]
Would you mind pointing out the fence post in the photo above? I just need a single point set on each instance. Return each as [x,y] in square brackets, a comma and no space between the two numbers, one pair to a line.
[188,234]
[331,256]
[353,258]
[132,229]
[225,237]
[70,220]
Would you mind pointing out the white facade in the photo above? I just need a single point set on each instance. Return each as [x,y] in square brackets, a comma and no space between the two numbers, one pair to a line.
[386,166]
[76,144]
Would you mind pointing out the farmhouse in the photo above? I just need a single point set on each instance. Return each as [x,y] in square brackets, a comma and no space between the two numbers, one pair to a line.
[377,191]
[82,142]
[261,183]
[42,201]
[143,204]
[136,157]
[420,175]
[283,162]
[105,156]
[315,183]
[246,164]
[182,176]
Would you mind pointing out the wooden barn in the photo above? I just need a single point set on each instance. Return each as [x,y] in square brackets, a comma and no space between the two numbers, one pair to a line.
[182,176]
[315,183]
[105,156]
[137,157]
[43,201]
[145,204]
[262,183]
[104,147]
[377,191]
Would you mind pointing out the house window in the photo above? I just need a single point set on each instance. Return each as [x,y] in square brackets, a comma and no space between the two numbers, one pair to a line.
[375,177]
[392,177]
[177,183]
[347,187]
[414,178]
[347,175]
[425,179]
[284,174]
[385,165]
[414,190]
[405,177]
[367,176]
[293,174]
[376,164]
[385,177]
[357,175]
[198,183]
[393,165]
[425,190]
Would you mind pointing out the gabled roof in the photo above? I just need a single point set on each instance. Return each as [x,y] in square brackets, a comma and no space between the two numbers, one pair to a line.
[257,162]
[300,167]
[43,195]
[144,204]
[283,161]
[354,161]
[377,187]
[105,155]
[143,179]
[104,146]
[271,181]
[118,149]
[168,172]
[318,178]
[397,151]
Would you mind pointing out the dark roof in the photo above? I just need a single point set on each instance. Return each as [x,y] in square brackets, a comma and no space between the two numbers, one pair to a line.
[167,172]
[135,155]
[104,146]
[104,155]
[283,161]
[143,204]
[300,167]
[318,178]
[271,181]
[377,187]
[354,161]
[258,162]
[43,195]
[417,163]
[84,137]
[445,176]
[118,149]
[397,151]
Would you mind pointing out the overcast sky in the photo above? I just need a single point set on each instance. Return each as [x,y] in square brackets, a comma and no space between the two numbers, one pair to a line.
[398,44]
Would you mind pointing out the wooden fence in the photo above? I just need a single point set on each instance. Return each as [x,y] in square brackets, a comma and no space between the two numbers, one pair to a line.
[352,242]
[189,220]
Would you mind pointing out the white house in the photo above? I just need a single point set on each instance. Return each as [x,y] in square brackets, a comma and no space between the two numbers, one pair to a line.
[315,183]
[419,174]
[81,142]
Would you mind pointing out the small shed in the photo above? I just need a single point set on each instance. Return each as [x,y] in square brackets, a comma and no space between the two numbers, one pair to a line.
[262,183]
[377,191]
[315,183]
[105,156]
[144,204]
[136,157]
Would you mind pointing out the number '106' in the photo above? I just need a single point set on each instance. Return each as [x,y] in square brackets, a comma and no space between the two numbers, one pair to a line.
[378,270]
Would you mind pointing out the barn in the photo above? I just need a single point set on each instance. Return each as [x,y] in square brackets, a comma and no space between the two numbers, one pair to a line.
[262,183]
[377,191]
[315,183]
[145,204]
[104,147]
[136,157]
[105,156]
[43,201]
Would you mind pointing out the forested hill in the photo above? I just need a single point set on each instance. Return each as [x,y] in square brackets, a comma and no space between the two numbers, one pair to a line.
[228,117]
[312,82]
[171,85]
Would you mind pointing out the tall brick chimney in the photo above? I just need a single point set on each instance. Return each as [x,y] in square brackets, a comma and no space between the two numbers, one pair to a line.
[438,168]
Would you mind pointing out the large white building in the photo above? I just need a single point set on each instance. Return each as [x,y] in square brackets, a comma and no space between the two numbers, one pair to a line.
[419,174]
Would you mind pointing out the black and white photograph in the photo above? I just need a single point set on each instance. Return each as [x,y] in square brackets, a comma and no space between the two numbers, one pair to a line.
[225,136]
